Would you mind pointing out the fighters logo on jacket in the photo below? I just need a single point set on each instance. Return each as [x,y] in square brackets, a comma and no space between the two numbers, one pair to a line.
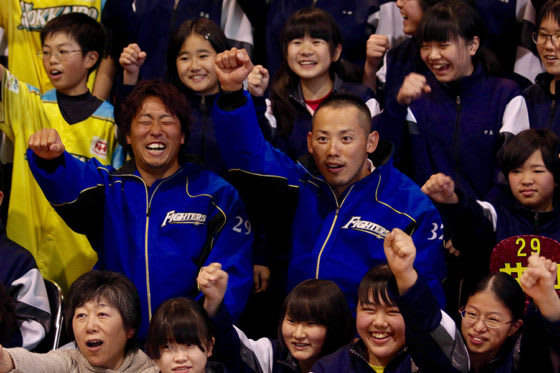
[356,223]
[173,217]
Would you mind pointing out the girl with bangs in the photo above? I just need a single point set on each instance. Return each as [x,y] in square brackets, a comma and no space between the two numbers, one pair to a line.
[315,321]
[181,338]
[310,71]
[459,114]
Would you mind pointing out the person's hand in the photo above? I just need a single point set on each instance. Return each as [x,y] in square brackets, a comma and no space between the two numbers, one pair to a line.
[261,277]
[376,47]
[440,188]
[46,144]
[538,281]
[6,362]
[212,282]
[232,68]
[414,86]
[131,59]
[448,245]
[257,81]
[400,253]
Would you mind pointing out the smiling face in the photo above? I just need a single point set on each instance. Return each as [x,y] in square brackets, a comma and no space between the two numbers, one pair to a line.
[449,60]
[483,342]
[65,64]
[195,65]
[156,138]
[310,58]
[100,333]
[381,328]
[532,184]
[304,339]
[412,13]
[175,357]
[340,146]
[548,52]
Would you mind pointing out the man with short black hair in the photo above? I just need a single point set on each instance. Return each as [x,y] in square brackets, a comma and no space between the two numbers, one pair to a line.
[346,194]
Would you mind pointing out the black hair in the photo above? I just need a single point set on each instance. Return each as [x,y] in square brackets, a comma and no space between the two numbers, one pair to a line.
[550,9]
[453,20]
[507,291]
[169,95]
[179,320]
[322,302]
[373,287]
[116,289]
[339,100]
[203,27]
[86,31]
[316,23]
[520,147]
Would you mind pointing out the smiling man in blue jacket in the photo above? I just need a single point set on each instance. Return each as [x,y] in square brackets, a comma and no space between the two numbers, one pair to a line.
[157,219]
[344,196]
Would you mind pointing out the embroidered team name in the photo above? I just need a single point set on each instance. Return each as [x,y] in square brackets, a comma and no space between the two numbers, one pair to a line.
[173,217]
[98,147]
[36,19]
[357,224]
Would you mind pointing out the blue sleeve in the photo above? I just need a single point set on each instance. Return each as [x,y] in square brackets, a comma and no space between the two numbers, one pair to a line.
[233,249]
[434,341]
[430,256]
[73,188]
[244,147]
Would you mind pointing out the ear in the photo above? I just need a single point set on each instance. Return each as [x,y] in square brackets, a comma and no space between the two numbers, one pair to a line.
[130,333]
[515,327]
[1,197]
[182,138]
[128,139]
[372,141]
[210,347]
[91,58]
[473,45]
[309,139]
[336,52]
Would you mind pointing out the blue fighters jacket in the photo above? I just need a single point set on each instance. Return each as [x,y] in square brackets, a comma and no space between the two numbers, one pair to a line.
[338,239]
[160,236]
[542,105]
[294,144]
[456,129]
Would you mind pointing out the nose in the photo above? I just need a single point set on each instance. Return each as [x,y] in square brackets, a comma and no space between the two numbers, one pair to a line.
[299,331]
[380,321]
[434,53]
[92,324]
[400,3]
[526,178]
[548,42]
[195,64]
[155,128]
[180,356]
[334,149]
[479,326]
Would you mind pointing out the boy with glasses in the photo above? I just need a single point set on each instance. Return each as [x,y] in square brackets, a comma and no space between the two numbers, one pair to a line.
[72,46]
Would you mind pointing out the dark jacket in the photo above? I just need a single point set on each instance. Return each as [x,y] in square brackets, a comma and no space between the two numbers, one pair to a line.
[543,105]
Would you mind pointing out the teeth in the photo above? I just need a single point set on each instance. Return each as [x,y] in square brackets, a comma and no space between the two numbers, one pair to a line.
[156,147]
[307,63]
[197,77]
[380,335]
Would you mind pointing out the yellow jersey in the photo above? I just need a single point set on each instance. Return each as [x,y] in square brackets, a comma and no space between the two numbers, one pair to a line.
[61,254]
[23,21]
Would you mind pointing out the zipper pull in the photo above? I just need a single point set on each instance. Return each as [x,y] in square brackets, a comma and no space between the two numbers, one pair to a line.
[458,101]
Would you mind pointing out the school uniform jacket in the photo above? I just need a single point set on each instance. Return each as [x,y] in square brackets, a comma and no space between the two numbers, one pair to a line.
[457,129]
[158,236]
[338,239]
[542,105]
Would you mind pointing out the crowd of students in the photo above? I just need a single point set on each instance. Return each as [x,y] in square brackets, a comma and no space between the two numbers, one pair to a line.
[344,188]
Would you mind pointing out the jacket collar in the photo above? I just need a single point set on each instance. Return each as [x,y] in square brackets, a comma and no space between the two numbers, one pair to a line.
[543,80]
[297,93]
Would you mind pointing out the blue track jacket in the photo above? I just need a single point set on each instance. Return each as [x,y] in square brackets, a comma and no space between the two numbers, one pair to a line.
[332,238]
[160,236]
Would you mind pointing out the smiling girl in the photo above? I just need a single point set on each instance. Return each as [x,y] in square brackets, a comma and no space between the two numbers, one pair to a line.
[315,321]
[310,71]
[459,114]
